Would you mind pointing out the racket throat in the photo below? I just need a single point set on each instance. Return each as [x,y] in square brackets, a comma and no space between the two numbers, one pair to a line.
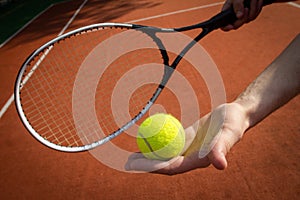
[168,71]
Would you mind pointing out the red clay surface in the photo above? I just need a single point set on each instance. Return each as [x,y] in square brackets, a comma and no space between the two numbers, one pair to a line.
[264,165]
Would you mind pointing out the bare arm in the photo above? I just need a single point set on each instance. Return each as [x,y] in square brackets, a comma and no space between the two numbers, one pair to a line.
[275,86]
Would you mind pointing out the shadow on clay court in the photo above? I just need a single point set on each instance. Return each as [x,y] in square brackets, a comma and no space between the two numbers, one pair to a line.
[95,11]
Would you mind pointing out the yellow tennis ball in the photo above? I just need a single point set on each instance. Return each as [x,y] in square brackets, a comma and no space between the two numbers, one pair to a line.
[161,137]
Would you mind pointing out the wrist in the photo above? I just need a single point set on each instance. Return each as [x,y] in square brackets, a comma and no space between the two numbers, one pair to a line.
[247,108]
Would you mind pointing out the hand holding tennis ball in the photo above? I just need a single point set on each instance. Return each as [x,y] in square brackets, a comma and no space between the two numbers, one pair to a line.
[208,141]
[161,137]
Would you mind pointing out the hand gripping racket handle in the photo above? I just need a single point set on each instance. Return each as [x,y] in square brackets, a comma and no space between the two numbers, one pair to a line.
[226,17]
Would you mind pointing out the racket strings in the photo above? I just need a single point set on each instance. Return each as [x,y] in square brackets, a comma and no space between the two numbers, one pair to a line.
[49,93]
[115,103]
[50,78]
[49,115]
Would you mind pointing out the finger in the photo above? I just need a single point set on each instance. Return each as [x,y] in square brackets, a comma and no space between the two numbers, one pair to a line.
[218,160]
[184,164]
[228,27]
[174,166]
[254,9]
[259,7]
[227,5]
[240,11]
[137,155]
[238,7]
[142,164]
[212,130]
[238,23]
[132,157]
[217,155]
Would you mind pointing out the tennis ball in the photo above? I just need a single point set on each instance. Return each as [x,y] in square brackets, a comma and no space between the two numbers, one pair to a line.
[161,137]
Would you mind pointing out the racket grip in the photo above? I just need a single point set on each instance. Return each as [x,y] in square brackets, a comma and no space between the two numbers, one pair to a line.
[228,16]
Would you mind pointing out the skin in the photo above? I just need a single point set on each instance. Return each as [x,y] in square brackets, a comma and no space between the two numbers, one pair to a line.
[244,15]
[273,88]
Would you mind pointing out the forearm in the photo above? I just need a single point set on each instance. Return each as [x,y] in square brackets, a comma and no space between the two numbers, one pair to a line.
[274,87]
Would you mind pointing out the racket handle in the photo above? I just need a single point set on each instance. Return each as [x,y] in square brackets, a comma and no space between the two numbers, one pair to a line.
[228,16]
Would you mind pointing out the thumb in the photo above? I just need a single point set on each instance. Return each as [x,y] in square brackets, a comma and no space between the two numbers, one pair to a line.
[217,155]
[218,160]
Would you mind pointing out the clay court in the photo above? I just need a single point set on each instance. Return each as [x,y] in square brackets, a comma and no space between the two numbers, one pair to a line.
[264,165]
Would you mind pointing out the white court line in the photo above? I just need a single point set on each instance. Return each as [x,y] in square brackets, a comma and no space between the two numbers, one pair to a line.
[29,22]
[191,9]
[11,99]
[73,17]
[176,12]
[22,28]
[6,105]
[294,4]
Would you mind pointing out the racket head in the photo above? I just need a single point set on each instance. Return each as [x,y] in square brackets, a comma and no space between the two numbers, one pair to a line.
[53,79]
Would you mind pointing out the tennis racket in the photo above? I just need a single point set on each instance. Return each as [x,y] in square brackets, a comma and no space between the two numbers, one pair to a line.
[57,83]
